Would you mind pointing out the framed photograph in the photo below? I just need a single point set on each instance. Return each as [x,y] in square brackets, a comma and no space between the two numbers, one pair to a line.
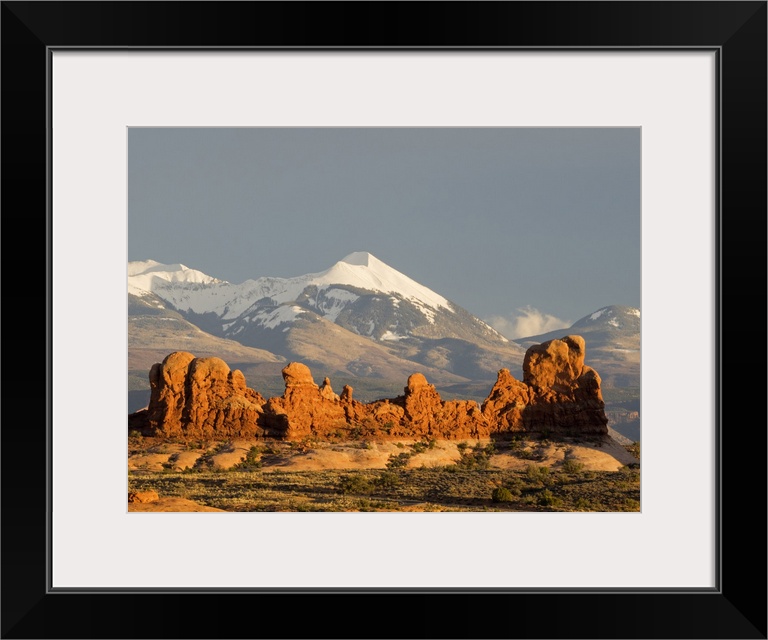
[143,128]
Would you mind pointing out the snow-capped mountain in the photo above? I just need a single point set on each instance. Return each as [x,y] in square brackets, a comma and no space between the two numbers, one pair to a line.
[330,291]
[142,275]
[360,294]
[614,317]
[393,305]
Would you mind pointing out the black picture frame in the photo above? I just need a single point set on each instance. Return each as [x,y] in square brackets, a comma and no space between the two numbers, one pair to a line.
[735,30]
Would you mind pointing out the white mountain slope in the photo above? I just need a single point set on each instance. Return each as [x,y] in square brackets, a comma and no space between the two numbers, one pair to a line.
[142,274]
[360,293]
[330,292]
[175,284]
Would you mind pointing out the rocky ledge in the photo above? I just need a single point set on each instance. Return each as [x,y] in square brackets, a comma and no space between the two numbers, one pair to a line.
[196,398]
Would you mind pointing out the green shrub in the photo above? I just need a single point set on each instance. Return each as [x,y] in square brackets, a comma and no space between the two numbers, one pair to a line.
[536,473]
[548,499]
[501,494]
[418,447]
[356,484]
[515,485]
[387,480]
[398,461]
[572,466]
[252,460]
[478,458]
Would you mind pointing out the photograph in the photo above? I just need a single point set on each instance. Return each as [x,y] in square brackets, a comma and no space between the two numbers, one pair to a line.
[384,319]
[395,302]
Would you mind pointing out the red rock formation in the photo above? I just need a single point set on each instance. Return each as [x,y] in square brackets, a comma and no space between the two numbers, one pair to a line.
[428,415]
[303,409]
[168,381]
[326,391]
[506,402]
[565,393]
[195,398]
[201,398]
[555,364]
[143,496]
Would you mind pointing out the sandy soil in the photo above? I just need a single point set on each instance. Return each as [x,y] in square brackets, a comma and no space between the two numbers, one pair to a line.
[170,504]
[185,460]
[233,454]
[444,453]
[375,455]
[609,456]
[606,456]
[148,461]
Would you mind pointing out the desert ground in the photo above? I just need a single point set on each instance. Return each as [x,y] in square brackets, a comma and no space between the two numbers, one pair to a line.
[519,474]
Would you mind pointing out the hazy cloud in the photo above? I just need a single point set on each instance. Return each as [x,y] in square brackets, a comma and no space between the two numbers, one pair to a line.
[528,321]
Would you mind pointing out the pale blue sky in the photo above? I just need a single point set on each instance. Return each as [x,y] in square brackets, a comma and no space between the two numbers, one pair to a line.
[494,219]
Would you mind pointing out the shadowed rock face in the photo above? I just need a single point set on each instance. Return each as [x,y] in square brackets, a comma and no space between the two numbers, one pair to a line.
[559,394]
[201,398]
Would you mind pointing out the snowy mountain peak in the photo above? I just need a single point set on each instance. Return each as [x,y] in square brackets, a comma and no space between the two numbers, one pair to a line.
[616,316]
[188,290]
[360,258]
[143,274]
[357,299]
[365,271]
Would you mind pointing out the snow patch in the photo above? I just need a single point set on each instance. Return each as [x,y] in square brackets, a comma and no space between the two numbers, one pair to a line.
[279,316]
[614,322]
[493,331]
[334,302]
[143,275]
[390,336]
[597,314]
[634,312]
[429,312]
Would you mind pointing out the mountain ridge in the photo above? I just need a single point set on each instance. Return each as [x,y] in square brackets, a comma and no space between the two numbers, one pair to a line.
[360,294]
[395,326]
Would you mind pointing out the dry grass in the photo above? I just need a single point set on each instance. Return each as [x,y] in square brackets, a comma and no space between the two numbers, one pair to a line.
[467,485]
